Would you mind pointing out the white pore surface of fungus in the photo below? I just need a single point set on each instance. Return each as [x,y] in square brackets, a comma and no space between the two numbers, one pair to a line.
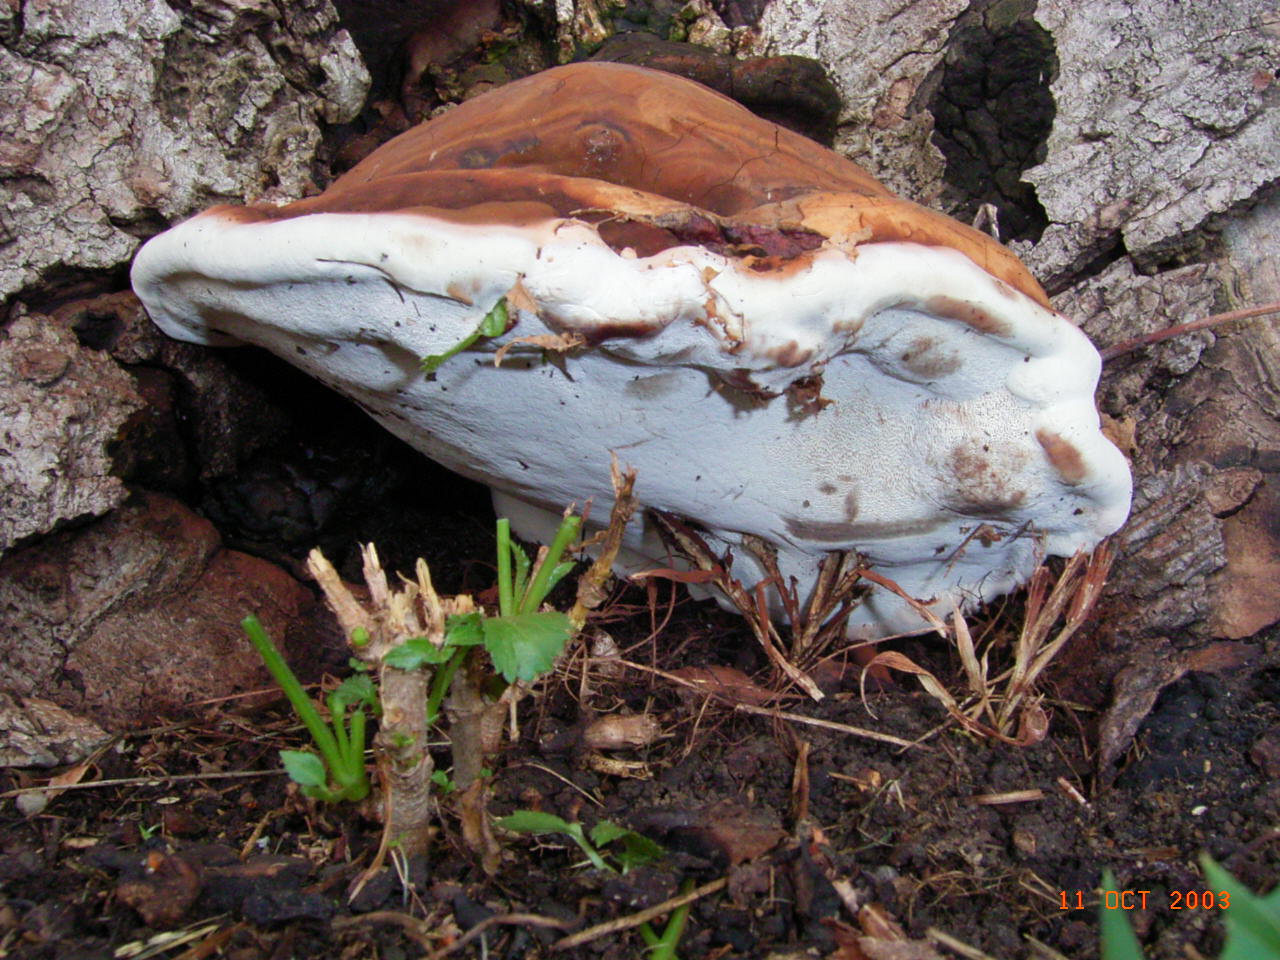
[871,389]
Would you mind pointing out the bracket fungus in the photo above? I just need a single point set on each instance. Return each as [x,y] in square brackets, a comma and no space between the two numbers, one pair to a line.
[781,347]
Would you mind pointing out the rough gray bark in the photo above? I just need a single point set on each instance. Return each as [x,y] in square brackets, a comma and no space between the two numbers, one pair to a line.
[119,112]
[1202,550]
[38,733]
[1166,118]
[878,54]
[60,406]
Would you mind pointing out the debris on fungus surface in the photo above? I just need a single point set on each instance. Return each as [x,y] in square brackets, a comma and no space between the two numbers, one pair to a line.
[779,346]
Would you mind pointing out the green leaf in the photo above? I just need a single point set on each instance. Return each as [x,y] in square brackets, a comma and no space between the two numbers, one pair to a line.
[463,630]
[359,637]
[525,645]
[530,599]
[559,572]
[521,576]
[357,689]
[494,324]
[304,768]
[414,652]
[606,831]
[638,850]
[443,781]
[1253,922]
[1118,940]
[576,834]
[533,821]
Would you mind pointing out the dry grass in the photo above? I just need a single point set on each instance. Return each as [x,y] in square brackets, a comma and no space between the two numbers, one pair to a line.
[1005,706]
[999,705]
[815,624]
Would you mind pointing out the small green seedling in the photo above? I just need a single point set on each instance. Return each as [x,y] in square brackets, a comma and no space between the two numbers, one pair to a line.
[522,641]
[338,773]
[447,785]
[635,848]
[663,946]
[494,324]
[443,781]
[1253,922]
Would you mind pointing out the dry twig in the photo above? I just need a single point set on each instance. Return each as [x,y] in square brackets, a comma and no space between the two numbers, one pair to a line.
[1191,326]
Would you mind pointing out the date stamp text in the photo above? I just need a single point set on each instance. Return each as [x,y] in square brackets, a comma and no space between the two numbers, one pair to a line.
[1142,899]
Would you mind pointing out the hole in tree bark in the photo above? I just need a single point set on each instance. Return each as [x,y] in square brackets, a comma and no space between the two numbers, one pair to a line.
[993,111]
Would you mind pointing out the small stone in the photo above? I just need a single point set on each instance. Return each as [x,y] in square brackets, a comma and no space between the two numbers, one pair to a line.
[1265,752]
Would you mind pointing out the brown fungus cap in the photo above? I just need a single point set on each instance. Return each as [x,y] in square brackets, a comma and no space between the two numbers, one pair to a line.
[781,348]
[695,165]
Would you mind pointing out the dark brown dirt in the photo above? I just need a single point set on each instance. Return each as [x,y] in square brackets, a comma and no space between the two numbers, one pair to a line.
[249,868]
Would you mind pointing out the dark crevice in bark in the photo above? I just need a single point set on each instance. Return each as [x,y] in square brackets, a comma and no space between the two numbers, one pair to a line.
[993,111]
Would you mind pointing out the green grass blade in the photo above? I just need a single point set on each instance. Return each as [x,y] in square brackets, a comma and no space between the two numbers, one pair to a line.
[288,682]
[338,723]
[1253,922]
[357,780]
[541,585]
[506,601]
[1118,939]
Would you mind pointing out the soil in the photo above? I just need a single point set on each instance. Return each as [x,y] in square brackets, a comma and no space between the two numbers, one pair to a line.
[830,844]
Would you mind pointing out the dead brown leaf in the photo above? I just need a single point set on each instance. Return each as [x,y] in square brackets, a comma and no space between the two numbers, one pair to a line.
[726,683]
[519,298]
[557,342]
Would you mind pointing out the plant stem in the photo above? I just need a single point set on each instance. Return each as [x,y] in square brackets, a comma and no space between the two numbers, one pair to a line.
[441,681]
[405,761]
[665,946]
[288,682]
[506,603]
[537,590]
[355,758]
[575,833]
[337,720]
[1146,340]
